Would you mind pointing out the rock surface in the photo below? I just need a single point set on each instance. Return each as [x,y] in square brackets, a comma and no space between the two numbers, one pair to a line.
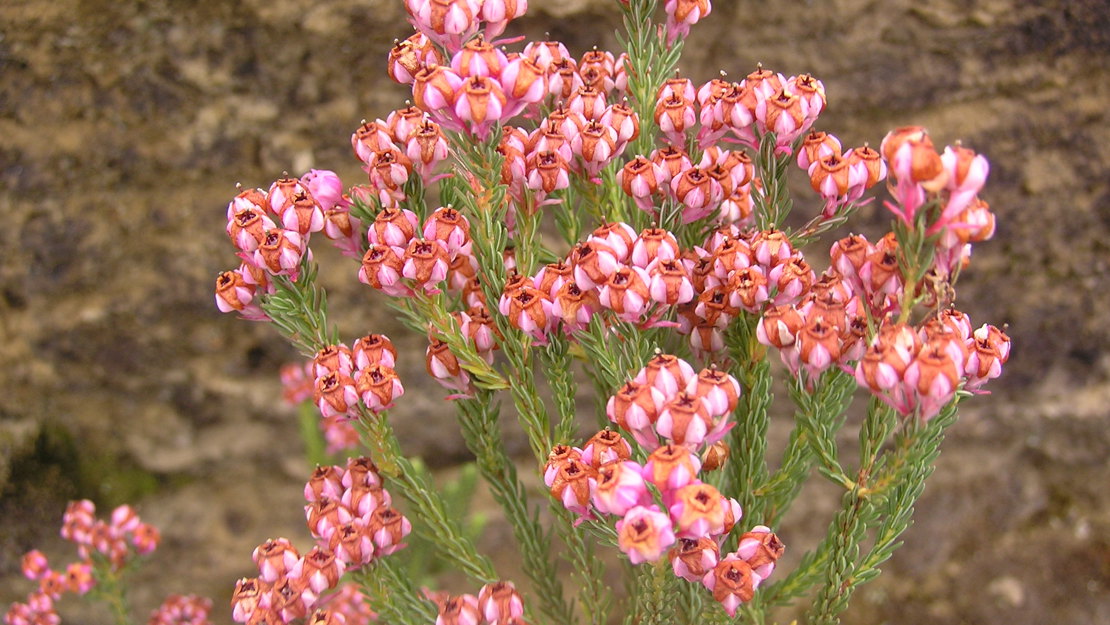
[124,127]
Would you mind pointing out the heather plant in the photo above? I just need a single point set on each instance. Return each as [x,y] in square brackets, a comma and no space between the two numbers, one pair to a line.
[108,553]
[536,213]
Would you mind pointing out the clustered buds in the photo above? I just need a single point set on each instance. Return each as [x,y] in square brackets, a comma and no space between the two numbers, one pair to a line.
[694,518]
[667,400]
[271,231]
[351,517]
[404,257]
[921,179]
[840,178]
[182,610]
[497,603]
[450,23]
[346,606]
[106,545]
[919,370]
[637,278]
[364,373]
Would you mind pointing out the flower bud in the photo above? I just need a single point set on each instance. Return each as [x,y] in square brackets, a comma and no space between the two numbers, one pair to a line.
[374,349]
[444,366]
[463,610]
[571,485]
[670,282]
[34,565]
[692,558]
[671,467]
[500,601]
[604,447]
[698,511]
[760,548]
[281,252]
[619,487]
[388,528]
[626,293]
[379,387]
[425,264]
[381,269]
[684,420]
[275,558]
[335,394]
[731,582]
[326,481]
[331,359]
[247,228]
[574,307]
[371,138]
[644,534]
[407,57]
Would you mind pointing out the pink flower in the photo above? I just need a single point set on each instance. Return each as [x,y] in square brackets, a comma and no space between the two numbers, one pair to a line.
[182,610]
[275,558]
[644,534]
[692,558]
[619,487]
[500,602]
[462,610]
[325,186]
[682,14]
[731,582]
[34,565]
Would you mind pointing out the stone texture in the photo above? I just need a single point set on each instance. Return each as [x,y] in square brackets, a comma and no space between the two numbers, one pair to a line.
[124,127]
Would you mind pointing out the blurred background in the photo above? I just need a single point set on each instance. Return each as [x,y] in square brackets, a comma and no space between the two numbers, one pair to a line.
[124,127]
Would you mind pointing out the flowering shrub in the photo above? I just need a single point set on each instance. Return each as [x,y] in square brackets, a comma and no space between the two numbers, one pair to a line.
[605,210]
[107,551]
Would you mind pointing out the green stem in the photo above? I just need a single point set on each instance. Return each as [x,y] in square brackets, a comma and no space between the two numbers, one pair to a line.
[821,423]
[746,470]
[558,362]
[308,420]
[110,589]
[478,418]
[659,598]
[428,507]
[818,418]
[432,310]
[846,533]
[393,595]
[593,594]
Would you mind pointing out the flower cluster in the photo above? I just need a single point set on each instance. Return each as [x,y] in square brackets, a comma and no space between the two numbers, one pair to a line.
[580,137]
[719,185]
[350,516]
[271,231]
[636,277]
[364,371]
[921,178]
[104,548]
[346,606]
[839,177]
[922,368]
[478,328]
[114,539]
[407,141]
[182,610]
[667,400]
[398,262]
[906,366]
[497,603]
[298,384]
